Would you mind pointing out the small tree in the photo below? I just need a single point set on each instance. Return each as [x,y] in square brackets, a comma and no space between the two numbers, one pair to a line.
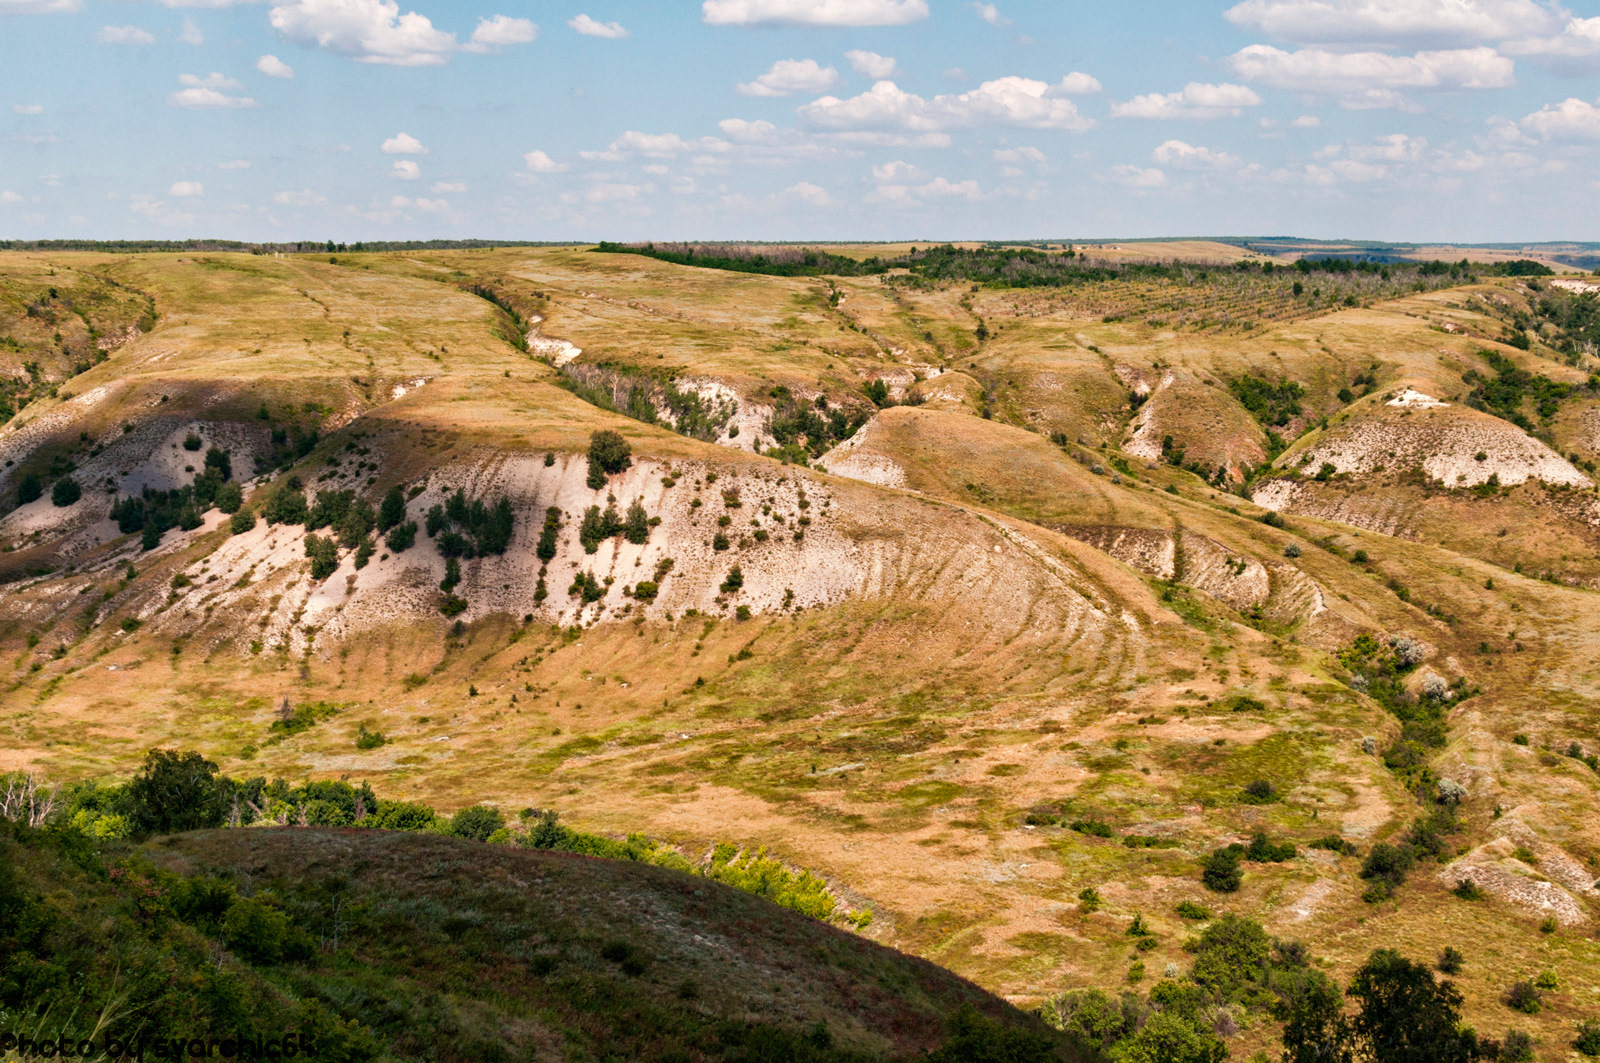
[242,521]
[175,792]
[636,527]
[1406,1016]
[392,510]
[1220,871]
[65,492]
[477,822]
[29,488]
[609,453]
[734,581]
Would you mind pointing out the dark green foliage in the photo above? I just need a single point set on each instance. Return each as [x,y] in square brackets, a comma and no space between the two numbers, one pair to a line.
[1264,850]
[286,503]
[1095,1018]
[1450,960]
[1094,828]
[469,529]
[158,510]
[1405,1015]
[636,526]
[1385,869]
[220,462]
[1315,1027]
[452,575]
[402,537]
[392,510]
[324,555]
[175,791]
[641,395]
[877,392]
[1271,404]
[1232,958]
[1506,393]
[806,429]
[974,1038]
[29,488]
[1516,1048]
[587,586]
[230,496]
[734,581]
[452,605]
[1192,911]
[366,739]
[775,262]
[1260,792]
[1220,871]
[1335,843]
[1588,1038]
[192,442]
[242,521]
[609,454]
[597,527]
[547,538]
[65,492]
[476,823]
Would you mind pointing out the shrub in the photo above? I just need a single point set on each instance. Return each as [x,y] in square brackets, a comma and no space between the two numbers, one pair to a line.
[743,613]
[230,496]
[1089,900]
[366,739]
[402,537]
[1549,925]
[174,792]
[1260,792]
[29,488]
[477,822]
[734,581]
[1220,871]
[242,521]
[1547,980]
[453,605]
[547,538]
[324,555]
[1385,868]
[191,442]
[1190,910]
[1521,740]
[1094,827]
[65,492]
[1292,550]
[1335,844]
[1516,1048]
[1450,960]
[1588,1039]
[392,510]
[609,453]
[1525,997]
[636,526]
[1405,1014]
[1263,850]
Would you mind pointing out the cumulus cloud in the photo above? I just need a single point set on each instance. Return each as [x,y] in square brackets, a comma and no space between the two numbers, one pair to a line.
[274,67]
[1575,50]
[1078,83]
[303,198]
[1196,100]
[427,206]
[190,33]
[789,76]
[208,91]
[591,28]
[813,12]
[539,162]
[1177,154]
[1394,23]
[500,31]
[1396,147]
[652,145]
[809,194]
[39,7]
[1005,101]
[374,31]
[989,13]
[1571,119]
[1372,75]
[875,66]
[898,170]
[403,144]
[1137,177]
[123,35]
[27,108]
[905,194]
[185,189]
[406,170]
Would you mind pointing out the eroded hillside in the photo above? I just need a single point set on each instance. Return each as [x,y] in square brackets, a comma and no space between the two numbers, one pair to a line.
[903,578]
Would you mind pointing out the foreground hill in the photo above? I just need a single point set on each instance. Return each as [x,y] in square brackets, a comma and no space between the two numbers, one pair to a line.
[379,945]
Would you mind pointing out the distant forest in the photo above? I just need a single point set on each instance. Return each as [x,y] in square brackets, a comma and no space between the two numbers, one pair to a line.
[299,247]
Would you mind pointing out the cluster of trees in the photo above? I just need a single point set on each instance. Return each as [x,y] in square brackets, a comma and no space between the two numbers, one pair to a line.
[469,528]
[642,396]
[810,428]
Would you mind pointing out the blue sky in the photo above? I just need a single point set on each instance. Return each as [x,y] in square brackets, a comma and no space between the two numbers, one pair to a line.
[1458,120]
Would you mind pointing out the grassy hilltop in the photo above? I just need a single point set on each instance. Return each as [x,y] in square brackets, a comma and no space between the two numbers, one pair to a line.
[1001,589]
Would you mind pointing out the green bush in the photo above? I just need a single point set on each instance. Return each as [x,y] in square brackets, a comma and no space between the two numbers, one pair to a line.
[1450,960]
[65,492]
[1195,912]
[609,454]
[230,496]
[366,739]
[175,792]
[1260,792]
[1588,1039]
[1220,871]
[29,488]
[324,555]
[476,823]
[402,537]
[733,582]
[1385,869]
[1525,997]
[392,510]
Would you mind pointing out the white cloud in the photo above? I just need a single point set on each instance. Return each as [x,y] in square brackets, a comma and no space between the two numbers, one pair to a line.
[1575,50]
[653,145]
[303,198]
[591,28]
[1396,147]
[1184,156]
[190,33]
[875,66]
[27,108]
[814,12]
[1005,101]
[39,7]
[742,131]
[539,162]
[1394,23]
[789,76]
[809,194]
[1571,119]
[456,187]
[989,13]
[1196,100]
[1306,121]
[234,164]
[1138,178]
[369,31]
[427,206]
[186,189]
[1078,83]
[208,91]
[9,198]
[406,170]
[1359,74]
[1019,155]
[500,31]
[403,144]
[274,67]
[910,195]
[897,171]
[123,35]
